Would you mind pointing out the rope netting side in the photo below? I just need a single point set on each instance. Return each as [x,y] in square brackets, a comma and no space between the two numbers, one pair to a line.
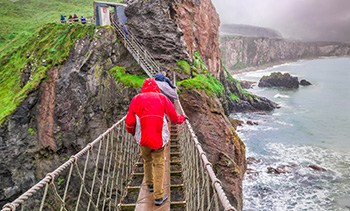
[203,190]
[92,179]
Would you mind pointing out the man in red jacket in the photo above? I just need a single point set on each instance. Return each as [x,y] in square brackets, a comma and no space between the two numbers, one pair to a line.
[147,110]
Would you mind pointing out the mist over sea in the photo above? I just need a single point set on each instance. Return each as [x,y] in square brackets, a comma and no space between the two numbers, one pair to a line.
[312,127]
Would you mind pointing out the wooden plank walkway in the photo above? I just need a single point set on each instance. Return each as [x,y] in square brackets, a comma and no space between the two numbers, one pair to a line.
[145,200]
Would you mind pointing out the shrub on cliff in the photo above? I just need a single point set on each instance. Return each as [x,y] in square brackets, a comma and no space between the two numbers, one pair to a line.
[184,66]
[127,80]
[205,82]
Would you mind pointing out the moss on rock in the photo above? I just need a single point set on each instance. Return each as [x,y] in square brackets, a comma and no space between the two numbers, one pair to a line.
[206,82]
[128,80]
[48,48]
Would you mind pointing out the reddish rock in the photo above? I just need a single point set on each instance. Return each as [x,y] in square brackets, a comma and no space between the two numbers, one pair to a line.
[281,169]
[317,168]
[251,123]
[252,160]
[224,148]
[251,173]
[236,122]
[199,23]
[174,30]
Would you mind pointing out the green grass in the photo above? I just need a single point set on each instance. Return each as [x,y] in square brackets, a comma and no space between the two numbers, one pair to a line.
[198,63]
[53,44]
[21,18]
[250,96]
[127,80]
[234,97]
[31,131]
[207,82]
[184,66]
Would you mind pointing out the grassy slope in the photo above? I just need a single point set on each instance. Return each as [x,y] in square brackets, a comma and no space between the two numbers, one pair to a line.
[53,44]
[21,18]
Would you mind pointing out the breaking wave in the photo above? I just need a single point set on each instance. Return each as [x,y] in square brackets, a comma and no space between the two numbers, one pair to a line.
[301,188]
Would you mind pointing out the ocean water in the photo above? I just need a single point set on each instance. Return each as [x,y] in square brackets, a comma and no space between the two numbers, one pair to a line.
[312,127]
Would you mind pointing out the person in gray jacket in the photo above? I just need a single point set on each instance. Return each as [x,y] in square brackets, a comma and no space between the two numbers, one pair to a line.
[166,87]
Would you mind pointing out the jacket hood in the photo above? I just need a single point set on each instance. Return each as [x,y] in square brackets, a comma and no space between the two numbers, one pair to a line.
[150,85]
[159,77]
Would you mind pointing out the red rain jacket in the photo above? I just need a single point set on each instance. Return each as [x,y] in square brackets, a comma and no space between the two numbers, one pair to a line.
[150,106]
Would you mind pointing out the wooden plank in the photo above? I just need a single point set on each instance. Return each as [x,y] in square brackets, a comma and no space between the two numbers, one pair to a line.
[145,200]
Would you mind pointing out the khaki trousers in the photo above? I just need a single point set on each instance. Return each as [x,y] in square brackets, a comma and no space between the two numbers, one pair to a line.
[154,169]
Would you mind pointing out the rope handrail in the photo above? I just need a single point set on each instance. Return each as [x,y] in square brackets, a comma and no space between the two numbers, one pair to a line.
[191,152]
[136,47]
[143,57]
[102,185]
[110,163]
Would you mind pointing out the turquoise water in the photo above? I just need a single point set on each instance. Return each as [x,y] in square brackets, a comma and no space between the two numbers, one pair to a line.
[312,127]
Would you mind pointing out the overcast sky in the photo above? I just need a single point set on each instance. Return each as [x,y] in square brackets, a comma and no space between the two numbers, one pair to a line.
[298,19]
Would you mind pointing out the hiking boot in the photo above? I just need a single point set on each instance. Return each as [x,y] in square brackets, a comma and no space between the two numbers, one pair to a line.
[160,201]
[150,188]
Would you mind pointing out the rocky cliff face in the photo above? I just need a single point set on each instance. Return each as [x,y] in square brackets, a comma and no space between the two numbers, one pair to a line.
[79,99]
[224,148]
[244,52]
[174,30]
[77,102]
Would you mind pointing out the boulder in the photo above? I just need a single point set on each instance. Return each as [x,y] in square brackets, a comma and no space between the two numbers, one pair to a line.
[252,160]
[277,79]
[247,84]
[317,168]
[236,122]
[251,123]
[304,82]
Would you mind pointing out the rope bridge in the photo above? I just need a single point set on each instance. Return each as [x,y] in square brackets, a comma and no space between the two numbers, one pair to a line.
[100,175]
[95,177]
[92,179]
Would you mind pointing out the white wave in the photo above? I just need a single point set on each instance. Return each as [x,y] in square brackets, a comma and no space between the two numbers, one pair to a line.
[276,114]
[301,189]
[284,123]
[280,96]
[268,128]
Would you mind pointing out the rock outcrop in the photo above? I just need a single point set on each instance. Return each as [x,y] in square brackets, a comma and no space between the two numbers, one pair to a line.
[81,99]
[224,148]
[277,79]
[243,101]
[76,103]
[174,30]
[304,82]
[239,53]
